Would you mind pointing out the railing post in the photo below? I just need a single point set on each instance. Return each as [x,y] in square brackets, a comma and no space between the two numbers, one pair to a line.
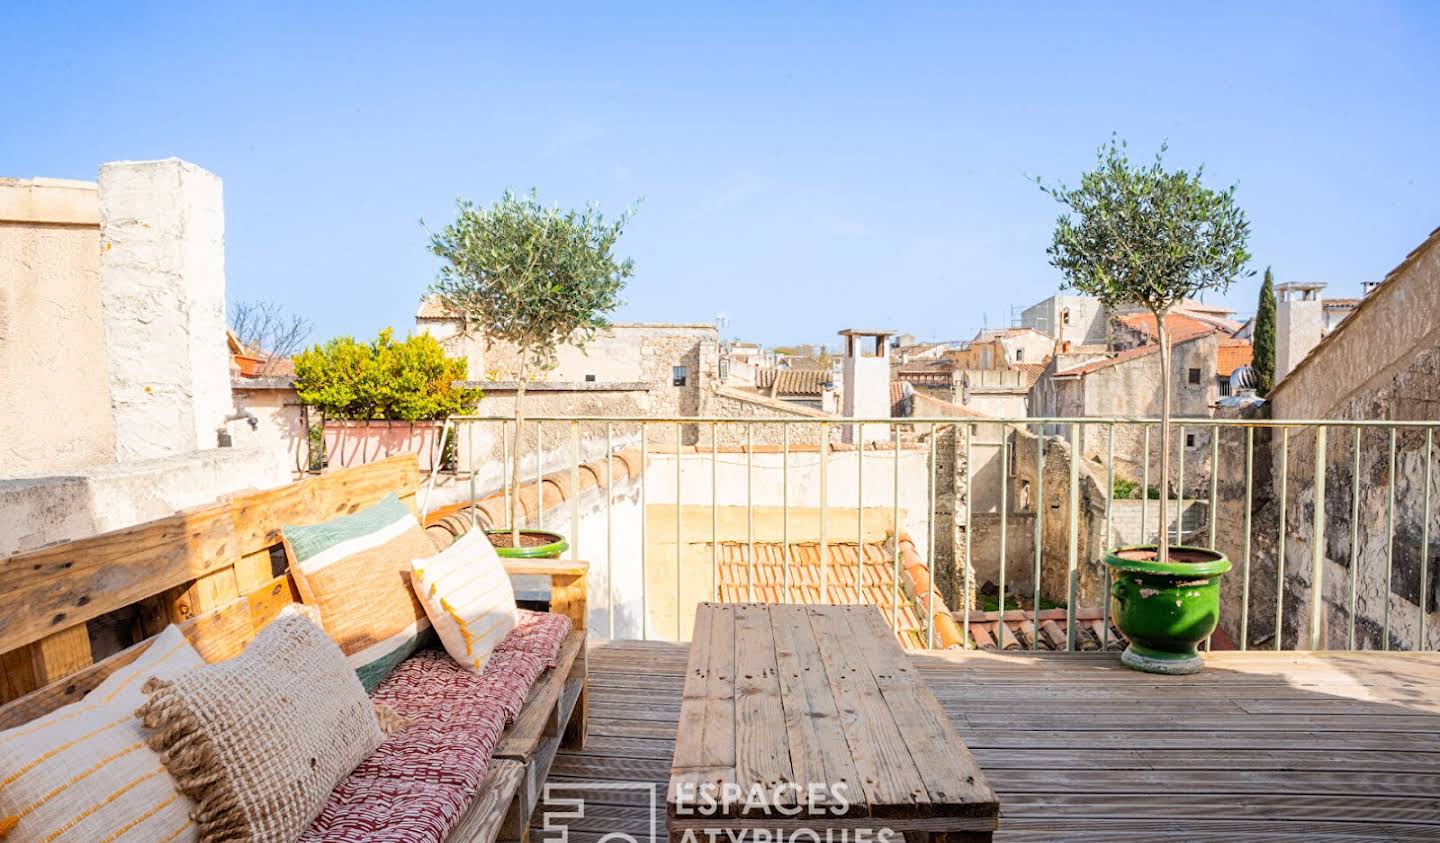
[1317,542]
[679,623]
[859,521]
[929,550]
[1389,546]
[1280,550]
[1073,558]
[575,490]
[1037,497]
[967,602]
[750,512]
[1354,537]
[1425,542]
[824,509]
[1109,539]
[895,521]
[784,504]
[714,512]
[610,521]
[644,542]
[1004,511]
[1245,577]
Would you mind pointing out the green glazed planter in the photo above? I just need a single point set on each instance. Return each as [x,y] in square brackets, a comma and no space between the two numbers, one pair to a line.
[550,550]
[1166,610]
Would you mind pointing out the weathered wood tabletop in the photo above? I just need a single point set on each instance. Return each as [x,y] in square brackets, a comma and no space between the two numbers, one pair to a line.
[813,717]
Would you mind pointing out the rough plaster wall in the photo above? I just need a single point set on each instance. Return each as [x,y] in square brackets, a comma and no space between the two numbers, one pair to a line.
[867,391]
[41,510]
[628,353]
[162,278]
[280,424]
[54,392]
[1299,326]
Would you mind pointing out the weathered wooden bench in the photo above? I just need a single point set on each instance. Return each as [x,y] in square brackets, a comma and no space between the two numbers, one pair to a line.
[217,571]
[814,719]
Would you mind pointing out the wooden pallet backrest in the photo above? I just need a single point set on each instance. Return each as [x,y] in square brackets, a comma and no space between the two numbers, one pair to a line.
[207,569]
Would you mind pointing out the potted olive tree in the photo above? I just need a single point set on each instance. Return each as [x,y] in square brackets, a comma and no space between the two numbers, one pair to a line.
[1142,235]
[534,277]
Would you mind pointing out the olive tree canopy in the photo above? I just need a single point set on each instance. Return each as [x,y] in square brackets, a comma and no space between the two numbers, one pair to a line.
[534,276]
[1142,235]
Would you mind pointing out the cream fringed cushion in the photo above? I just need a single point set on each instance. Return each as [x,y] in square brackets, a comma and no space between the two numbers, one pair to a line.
[356,570]
[468,596]
[84,773]
[259,740]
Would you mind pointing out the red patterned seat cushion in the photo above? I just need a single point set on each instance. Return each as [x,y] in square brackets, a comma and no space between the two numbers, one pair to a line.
[418,783]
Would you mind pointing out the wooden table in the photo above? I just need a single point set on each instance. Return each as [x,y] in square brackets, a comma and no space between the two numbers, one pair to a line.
[816,711]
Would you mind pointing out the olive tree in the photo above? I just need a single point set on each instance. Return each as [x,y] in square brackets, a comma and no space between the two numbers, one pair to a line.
[533,276]
[1143,235]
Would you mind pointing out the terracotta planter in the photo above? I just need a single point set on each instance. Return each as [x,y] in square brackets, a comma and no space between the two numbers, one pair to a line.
[543,544]
[1166,610]
[350,443]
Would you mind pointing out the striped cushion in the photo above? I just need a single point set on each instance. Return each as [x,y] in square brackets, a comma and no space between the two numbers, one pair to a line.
[356,570]
[468,596]
[84,773]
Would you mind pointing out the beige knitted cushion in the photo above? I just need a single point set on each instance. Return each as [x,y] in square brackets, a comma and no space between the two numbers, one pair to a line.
[259,741]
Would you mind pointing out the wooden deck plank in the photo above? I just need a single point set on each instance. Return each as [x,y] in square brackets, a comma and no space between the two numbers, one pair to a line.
[1262,747]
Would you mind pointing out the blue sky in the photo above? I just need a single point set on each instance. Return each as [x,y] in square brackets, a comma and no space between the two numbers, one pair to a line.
[804,167]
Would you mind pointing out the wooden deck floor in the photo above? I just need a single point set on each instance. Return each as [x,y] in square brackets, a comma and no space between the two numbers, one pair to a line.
[1261,746]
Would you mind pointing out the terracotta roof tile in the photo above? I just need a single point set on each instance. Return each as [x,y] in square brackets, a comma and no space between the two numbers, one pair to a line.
[801,381]
[877,585]
[1232,355]
[431,307]
[1177,324]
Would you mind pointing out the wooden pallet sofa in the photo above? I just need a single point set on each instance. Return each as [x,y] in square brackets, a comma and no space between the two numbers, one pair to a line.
[219,573]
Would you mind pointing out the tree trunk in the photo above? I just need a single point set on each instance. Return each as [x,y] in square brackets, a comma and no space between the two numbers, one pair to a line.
[515,456]
[1164,338]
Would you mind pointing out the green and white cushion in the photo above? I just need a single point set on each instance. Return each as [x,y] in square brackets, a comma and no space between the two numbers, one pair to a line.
[355,570]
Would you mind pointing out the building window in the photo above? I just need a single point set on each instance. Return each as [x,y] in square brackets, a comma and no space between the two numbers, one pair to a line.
[1195,376]
[1224,386]
[679,377]
[1189,440]
[1019,354]
[589,378]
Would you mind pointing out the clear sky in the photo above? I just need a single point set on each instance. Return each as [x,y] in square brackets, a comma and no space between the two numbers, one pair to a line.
[804,168]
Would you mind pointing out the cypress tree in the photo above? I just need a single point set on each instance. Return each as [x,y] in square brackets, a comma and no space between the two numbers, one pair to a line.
[1263,342]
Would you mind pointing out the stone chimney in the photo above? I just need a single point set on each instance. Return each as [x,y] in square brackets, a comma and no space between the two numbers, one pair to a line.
[866,382]
[162,282]
[1299,324]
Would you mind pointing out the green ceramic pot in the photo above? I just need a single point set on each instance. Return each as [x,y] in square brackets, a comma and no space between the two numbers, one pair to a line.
[552,549]
[1166,610]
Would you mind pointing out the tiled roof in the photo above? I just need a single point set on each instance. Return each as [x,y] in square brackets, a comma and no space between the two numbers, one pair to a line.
[1177,324]
[801,381]
[765,378]
[1232,355]
[927,367]
[1130,354]
[431,307]
[876,585]
[805,363]
[1032,370]
[1015,630]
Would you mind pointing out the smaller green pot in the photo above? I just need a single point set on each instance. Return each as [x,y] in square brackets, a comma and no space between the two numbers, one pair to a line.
[550,550]
[1166,610]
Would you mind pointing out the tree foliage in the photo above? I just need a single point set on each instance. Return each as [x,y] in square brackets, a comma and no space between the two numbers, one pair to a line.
[1144,235]
[410,380]
[1263,343]
[531,275]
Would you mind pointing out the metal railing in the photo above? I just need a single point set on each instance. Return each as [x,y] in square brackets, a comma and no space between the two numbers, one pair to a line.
[1271,514]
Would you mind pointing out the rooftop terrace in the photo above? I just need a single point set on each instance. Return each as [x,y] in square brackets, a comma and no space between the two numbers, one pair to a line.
[1262,745]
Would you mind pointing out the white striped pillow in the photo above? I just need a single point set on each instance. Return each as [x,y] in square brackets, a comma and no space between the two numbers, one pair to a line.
[468,597]
[84,772]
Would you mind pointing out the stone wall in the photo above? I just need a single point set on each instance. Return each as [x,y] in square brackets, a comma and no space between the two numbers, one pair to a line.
[1381,363]
[55,398]
[1053,506]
